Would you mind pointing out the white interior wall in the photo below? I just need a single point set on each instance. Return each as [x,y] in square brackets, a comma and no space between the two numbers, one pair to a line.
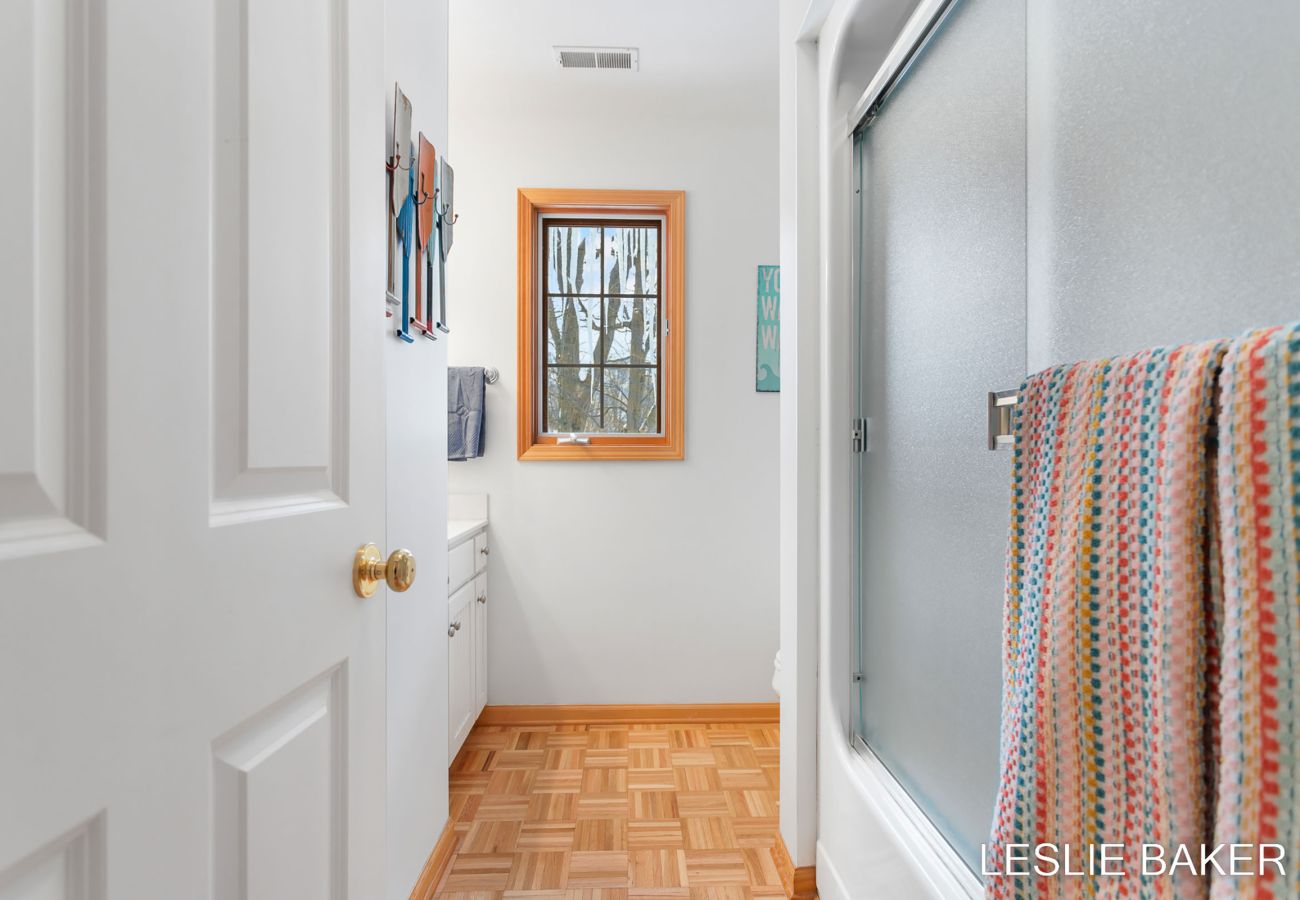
[799,430]
[625,582]
[415,55]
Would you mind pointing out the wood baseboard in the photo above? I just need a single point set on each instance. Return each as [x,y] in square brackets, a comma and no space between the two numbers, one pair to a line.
[805,883]
[436,866]
[622,714]
[800,883]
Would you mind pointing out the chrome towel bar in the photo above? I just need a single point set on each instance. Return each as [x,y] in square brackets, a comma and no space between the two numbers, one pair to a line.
[1000,435]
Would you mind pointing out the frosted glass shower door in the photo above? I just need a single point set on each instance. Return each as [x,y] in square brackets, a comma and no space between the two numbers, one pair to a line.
[941,284]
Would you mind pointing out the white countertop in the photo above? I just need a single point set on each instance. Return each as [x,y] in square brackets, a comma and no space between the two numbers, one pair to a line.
[459,529]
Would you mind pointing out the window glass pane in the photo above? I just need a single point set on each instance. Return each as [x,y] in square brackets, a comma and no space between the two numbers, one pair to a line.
[631,260]
[572,330]
[631,401]
[632,331]
[601,321]
[572,260]
[572,399]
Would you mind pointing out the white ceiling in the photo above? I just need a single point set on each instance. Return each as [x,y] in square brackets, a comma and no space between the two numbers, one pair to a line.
[502,49]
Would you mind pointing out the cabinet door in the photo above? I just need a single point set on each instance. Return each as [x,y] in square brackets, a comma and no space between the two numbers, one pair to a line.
[480,642]
[460,667]
[461,562]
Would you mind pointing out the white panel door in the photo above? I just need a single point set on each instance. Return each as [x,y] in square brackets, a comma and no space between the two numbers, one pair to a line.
[191,274]
[460,667]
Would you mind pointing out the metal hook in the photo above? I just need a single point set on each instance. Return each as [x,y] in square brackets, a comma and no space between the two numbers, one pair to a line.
[423,193]
[443,210]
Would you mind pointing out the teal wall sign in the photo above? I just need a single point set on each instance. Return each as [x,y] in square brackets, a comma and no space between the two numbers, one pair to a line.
[767,377]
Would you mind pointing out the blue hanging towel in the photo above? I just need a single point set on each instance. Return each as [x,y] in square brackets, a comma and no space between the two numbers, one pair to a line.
[466,399]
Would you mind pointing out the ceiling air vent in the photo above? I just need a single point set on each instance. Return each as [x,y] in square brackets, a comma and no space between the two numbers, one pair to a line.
[627,58]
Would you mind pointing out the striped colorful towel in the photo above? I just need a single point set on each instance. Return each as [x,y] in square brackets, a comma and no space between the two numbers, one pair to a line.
[1258,788]
[1140,671]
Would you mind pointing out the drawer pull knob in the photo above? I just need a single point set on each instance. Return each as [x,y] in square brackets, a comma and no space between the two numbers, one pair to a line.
[451,631]
[482,599]
[484,551]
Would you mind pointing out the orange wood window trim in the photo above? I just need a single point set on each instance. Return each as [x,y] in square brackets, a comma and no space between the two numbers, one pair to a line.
[671,206]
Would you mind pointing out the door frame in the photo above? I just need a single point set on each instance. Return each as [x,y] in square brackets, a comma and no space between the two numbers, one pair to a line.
[857,797]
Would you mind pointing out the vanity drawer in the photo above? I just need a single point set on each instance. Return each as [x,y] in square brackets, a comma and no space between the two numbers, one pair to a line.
[480,551]
[460,563]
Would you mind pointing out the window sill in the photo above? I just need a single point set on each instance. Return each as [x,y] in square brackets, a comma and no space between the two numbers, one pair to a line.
[662,448]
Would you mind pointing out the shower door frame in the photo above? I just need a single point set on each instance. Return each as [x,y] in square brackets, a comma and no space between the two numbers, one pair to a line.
[907,819]
[934,857]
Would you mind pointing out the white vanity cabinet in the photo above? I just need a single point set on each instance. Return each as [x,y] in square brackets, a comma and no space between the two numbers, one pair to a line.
[480,643]
[461,692]
[467,614]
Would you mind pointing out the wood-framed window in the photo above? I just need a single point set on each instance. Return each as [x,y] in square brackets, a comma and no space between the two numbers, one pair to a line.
[601,336]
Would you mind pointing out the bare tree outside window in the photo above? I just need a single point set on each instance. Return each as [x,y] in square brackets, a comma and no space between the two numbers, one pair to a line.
[601,308]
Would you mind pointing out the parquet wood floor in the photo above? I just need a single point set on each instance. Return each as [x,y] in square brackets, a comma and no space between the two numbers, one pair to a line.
[615,812]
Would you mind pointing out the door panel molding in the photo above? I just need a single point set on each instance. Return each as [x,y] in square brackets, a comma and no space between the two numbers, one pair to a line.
[52,361]
[70,867]
[280,277]
[279,795]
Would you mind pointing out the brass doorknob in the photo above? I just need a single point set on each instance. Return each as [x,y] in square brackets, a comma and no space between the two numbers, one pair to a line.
[369,568]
